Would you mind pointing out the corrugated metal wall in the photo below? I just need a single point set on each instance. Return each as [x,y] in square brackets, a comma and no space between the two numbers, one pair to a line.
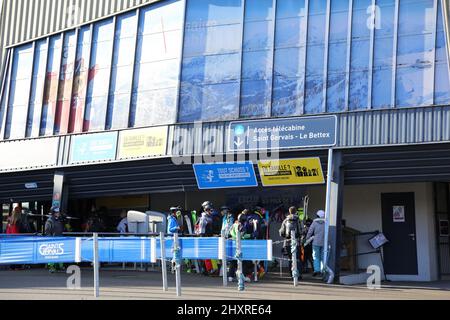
[355,129]
[23,20]
[392,127]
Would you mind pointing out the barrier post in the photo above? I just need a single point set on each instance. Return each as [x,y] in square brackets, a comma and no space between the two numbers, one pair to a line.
[294,258]
[163,261]
[239,273]
[96,266]
[255,271]
[224,258]
[176,258]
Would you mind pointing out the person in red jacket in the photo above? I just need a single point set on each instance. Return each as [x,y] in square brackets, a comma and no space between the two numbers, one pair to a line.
[13,226]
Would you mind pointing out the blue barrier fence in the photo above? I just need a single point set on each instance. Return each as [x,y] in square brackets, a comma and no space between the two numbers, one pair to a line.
[41,250]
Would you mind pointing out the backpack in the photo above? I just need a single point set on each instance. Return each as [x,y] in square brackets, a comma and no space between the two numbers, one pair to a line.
[289,226]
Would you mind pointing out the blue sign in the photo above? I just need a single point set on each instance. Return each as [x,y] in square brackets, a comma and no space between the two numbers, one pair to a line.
[304,132]
[93,147]
[225,175]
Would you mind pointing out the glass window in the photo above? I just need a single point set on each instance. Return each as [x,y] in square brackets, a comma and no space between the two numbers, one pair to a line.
[120,109]
[360,55]
[381,88]
[4,98]
[315,57]
[415,54]
[156,107]
[65,84]
[213,12]
[287,96]
[37,89]
[383,56]
[289,64]
[358,90]
[83,76]
[161,17]
[210,102]
[336,92]
[102,44]
[98,87]
[51,86]
[16,121]
[337,56]
[157,64]
[122,71]
[95,116]
[212,60]
[255,98]
[212,40]
[257,59]
[159,46]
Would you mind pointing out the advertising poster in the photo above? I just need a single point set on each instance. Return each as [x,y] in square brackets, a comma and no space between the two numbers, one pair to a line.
[287,172]
[399,213]
[93,147]
[143,142]
[225,175]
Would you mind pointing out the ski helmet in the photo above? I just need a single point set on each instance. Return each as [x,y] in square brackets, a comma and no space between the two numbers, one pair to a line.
[206,204]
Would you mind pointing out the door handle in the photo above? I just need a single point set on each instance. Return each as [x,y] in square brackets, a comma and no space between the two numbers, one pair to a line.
[412,235]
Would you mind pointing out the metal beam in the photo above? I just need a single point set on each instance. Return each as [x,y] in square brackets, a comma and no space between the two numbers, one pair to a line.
[43,87]
[371,53]
[445,5]
[183,32]
[111,66]
[349,55]
[88,71]
[242,56]
[33,65]
[5,93]
[274,32]
[433,53]
[305,42]
[133,74]
[326,56]
[394,55]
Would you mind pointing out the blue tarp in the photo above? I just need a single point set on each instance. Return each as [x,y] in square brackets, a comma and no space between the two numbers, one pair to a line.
[38,250]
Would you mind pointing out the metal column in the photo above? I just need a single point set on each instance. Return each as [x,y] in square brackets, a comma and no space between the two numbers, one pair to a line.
[334,209]
[60,192]
[446,12]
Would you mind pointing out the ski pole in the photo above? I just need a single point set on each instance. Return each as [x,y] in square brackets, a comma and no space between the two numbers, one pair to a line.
[163,261]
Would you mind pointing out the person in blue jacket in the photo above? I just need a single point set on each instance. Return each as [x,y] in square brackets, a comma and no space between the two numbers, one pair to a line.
[172,222]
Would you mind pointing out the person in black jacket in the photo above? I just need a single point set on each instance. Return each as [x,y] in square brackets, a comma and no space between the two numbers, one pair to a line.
[54,227]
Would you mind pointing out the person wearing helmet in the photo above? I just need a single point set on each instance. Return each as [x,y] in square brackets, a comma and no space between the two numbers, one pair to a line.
[206,204]
[317,232]
[172,222]
[257,223]
[204,228]
[239,228]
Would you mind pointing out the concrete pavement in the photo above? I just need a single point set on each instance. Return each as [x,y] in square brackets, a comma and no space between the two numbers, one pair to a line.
[39,284]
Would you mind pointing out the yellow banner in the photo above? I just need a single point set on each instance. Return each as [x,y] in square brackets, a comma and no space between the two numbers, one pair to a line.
[287,172]
[143,142]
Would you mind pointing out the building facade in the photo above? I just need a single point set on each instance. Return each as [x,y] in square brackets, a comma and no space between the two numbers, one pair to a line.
[82,81]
